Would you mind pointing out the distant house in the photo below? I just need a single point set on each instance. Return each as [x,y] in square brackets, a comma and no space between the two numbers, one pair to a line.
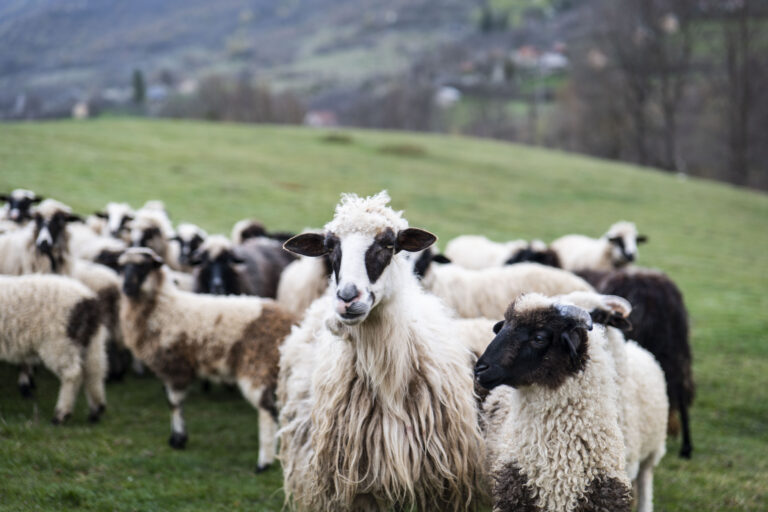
[320,118]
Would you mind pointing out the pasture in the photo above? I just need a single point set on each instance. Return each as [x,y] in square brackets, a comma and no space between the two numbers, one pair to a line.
[710,238]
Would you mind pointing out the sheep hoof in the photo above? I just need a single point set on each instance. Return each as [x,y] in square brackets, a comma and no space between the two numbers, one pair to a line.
[58,420]
[95,415]
[26,390]
[262,468]
[685,452]
[177,440]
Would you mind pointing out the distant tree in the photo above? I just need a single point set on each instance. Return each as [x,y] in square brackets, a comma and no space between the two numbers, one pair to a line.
[139,88]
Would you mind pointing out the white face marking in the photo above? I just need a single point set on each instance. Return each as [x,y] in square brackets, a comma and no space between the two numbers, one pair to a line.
[44,236]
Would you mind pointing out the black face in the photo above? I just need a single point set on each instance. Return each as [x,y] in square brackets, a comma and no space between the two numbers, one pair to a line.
[19,208]
[134,275]
[55,226]
[218,276]
[540,347]
[188,248]
[147,237]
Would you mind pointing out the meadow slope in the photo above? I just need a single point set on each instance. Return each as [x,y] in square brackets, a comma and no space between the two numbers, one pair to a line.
[710,238]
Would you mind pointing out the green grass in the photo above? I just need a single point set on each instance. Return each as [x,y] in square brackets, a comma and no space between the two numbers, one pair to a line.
[711,239]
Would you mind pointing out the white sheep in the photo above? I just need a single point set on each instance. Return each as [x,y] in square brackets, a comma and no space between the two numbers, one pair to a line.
[643,403]
[554,441]
[55,320]
[616,248]
[384,414]
[302,282]
[478,252]
[181,336]
[487,292]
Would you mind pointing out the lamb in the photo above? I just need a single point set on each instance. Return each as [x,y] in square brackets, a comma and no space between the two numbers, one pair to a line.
[185,243]
[253,268]
[181,335]
[384,415]
[478,252]
[554,442]
[302,282]
[615,249]
[659,323]
[486,292]
[56,320]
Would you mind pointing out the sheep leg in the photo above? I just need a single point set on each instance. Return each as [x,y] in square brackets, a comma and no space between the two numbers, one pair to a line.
[64,359]
[95,373]
[645,486]
[259,397]
[686,448]
[178,439]
[26,380]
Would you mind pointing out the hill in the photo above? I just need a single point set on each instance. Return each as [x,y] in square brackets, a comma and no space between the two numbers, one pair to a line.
[710,238]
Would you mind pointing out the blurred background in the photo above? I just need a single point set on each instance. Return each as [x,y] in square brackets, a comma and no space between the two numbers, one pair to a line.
[673,84]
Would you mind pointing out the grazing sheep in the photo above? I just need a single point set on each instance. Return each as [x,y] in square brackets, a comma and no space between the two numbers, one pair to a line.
[302,282]
[184,244]
[659,323]
[253,268]
[248,228]
[55,320]
[478,252]
[643,404]
[384,415]
[486,292]
[554,442]
[117,217]
[181,335]
[615,249]
[18,205]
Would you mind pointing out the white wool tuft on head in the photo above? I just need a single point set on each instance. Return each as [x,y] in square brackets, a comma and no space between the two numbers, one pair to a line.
[369,215]
[622,228]
[214,245]
[51,207]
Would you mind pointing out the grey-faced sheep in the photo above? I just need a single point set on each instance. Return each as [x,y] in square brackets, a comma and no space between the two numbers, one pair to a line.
[384,416]
[554,442]
[56,320]
[659,323]
[252,268]
[615,249]
[181,336]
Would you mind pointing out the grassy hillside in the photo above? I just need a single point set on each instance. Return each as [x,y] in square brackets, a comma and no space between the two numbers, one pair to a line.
[710,238]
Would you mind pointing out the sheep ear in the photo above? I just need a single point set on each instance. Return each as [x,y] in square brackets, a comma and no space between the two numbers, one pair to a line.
[101,215]
[37,199]
[5,197]
[441,258]
[641,239]
[497,327]
[414,240]
[237,260]
[571,340]
[307,244]
[196,258]
[175,238]
[614,239]
[72,217]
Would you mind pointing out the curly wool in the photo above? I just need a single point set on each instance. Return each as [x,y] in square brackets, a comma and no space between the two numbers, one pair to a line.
[366,215]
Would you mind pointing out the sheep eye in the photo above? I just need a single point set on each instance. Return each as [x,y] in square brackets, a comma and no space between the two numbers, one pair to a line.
[540,338]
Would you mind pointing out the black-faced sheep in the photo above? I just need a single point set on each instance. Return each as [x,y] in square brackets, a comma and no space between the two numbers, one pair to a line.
[615,249]
[184,244]
[554,442]
[181,336]
[252,268]
[56,320]
[381,414]
[117,219]
[18,205]
[659,323]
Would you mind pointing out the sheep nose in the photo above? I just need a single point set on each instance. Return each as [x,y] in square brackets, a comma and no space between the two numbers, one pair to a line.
[631,257]
[348,293]
[44,246]
[480,368]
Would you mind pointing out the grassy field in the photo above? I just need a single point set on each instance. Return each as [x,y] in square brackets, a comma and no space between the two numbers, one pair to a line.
[710,238]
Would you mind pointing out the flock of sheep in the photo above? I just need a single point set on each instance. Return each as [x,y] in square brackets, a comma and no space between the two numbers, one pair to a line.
[380,367]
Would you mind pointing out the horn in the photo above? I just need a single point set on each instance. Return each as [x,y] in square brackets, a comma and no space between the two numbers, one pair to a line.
[581,317]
